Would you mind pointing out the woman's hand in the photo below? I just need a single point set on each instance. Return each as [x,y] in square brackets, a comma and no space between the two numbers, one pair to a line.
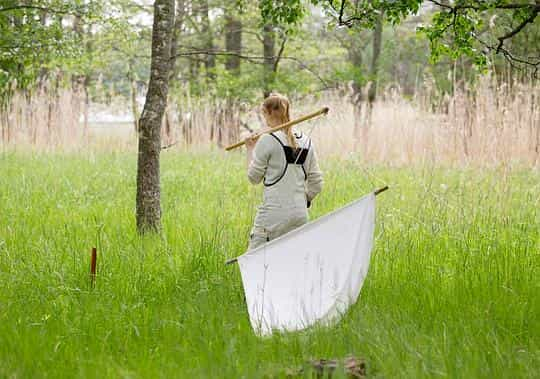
[251,140]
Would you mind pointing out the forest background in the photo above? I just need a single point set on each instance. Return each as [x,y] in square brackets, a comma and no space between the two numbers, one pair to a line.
[69,69]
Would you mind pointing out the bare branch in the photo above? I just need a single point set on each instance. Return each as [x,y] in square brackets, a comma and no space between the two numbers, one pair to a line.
[455,11]
[253,59]
[518,28]
[45,9]
[510,58]
[485,7]
[280,53]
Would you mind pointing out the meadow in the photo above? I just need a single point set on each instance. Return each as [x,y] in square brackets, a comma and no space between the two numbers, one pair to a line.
[453,288]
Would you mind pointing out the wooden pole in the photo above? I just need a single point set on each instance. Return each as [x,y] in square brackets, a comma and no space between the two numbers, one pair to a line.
[380,190]
[376,192]
[93,262]
[320,112]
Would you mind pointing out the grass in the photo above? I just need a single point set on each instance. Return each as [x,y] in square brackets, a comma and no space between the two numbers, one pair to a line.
[453,288]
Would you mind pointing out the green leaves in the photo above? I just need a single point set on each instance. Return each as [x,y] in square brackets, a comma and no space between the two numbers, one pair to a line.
[282,12]
[35,36]
[453,32]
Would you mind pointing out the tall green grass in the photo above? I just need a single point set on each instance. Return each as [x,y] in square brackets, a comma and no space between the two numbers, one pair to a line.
[453,288]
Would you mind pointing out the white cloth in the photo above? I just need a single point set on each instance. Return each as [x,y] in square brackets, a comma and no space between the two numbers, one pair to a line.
[311,274]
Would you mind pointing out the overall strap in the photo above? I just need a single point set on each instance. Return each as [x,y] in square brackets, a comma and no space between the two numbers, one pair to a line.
[277,139]
[294,156]
[286,164]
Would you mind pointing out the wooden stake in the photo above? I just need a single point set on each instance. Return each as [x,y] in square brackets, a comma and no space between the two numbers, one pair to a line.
[380,190]
[282,126]
[376,192]
[93,262]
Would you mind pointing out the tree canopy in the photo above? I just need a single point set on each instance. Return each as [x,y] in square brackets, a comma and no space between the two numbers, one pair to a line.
[236,48]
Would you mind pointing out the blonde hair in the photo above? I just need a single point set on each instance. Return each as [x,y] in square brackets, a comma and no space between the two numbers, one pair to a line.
[276,108]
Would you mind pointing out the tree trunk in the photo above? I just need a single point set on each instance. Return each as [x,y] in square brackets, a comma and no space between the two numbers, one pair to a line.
[357,97]
[78,81]
[210,60]
[233,43]
[178,24]
[148,186]
[174,70]
[269,43]
[87,80]
[373,73]
[377,42]
[43,70]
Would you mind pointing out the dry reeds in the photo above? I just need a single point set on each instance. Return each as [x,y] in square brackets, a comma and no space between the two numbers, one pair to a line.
[43,117]
[489,124]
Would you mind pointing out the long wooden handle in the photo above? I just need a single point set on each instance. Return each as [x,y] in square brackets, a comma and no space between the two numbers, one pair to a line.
[282,126]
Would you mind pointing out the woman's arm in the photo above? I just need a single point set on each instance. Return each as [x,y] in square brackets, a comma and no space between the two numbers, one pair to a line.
[258,153]
[314,176]
[250,145]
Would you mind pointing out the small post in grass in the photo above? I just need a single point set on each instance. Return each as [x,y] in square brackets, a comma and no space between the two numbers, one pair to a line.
[93,262]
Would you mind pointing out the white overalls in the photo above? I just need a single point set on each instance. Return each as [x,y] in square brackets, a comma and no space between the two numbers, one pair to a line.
[292,179]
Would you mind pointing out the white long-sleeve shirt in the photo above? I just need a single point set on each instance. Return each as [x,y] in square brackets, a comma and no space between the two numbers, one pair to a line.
[269,162]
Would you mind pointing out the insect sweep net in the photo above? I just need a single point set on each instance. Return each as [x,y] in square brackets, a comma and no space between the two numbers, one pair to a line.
[312,274]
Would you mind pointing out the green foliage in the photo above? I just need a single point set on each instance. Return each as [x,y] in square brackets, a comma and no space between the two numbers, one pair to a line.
[34,37]
[365,13]
[463,31]
[452,290]
[460,42]
[282,12]
[453,32]
[108,44]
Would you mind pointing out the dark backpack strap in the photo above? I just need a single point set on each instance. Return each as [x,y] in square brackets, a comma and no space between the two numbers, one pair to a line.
[286,163]
[277,139]
[307,151]
[294,156]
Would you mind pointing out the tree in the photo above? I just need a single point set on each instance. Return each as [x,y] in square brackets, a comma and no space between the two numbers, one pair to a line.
[148,183]
[285,14]
[355,42]
[457,29]
[233,41]
[269,43]
[373,71]
[32,37]
[207,34]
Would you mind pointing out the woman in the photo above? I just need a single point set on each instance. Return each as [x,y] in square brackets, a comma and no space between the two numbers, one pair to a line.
[287,165]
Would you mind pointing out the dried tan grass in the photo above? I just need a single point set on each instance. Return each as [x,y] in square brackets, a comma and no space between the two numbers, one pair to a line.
[489,125]
[43,118]
[492,125]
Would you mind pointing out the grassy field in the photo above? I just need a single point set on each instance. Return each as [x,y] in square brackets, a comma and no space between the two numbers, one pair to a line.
[453,288]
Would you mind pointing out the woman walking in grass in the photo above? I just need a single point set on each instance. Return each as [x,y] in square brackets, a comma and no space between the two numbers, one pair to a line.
[286,163]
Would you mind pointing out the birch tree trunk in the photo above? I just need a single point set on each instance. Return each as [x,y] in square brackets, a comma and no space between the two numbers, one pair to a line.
[148,186]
